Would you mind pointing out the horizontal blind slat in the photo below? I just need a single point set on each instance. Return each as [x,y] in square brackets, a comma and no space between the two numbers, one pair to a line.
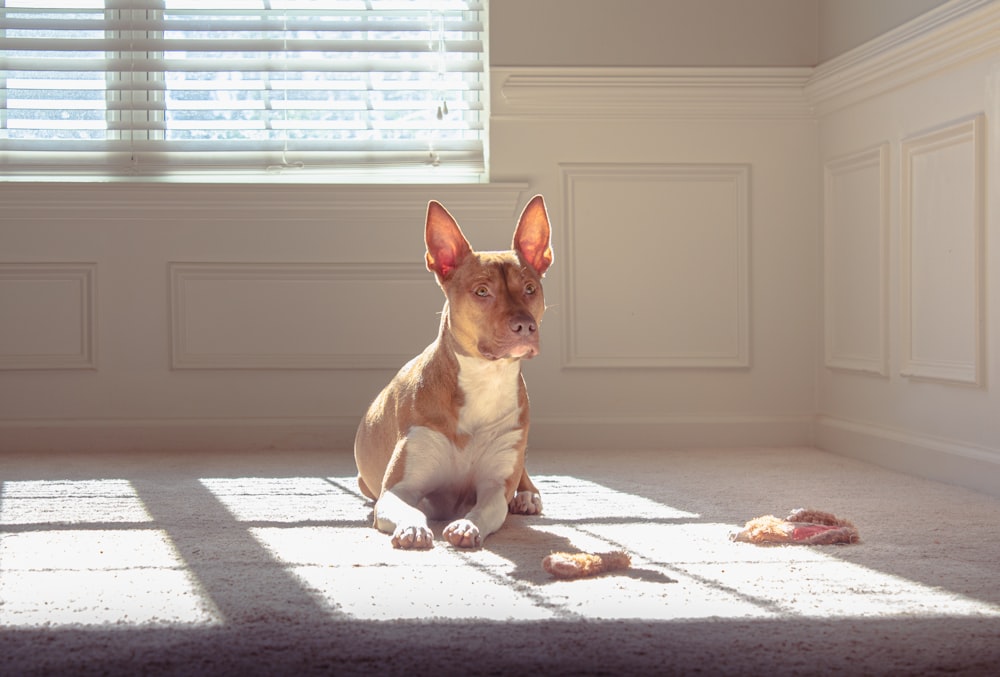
[317,22]
[249,64]
[276,46]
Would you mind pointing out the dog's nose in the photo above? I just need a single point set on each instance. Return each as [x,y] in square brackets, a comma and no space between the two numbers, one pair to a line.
[523,325]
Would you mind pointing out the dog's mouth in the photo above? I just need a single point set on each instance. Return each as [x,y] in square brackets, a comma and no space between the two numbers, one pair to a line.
[517,351]
[524,352]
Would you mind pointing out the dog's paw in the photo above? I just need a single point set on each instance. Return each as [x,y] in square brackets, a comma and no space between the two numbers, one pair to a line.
[526,503]
[413,538]
[463,534]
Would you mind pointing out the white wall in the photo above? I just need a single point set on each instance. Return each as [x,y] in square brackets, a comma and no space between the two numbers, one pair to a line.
[653,33]
[846,24]
[695,212]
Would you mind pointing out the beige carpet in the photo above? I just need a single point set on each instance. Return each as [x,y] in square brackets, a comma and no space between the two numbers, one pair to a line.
[265,564]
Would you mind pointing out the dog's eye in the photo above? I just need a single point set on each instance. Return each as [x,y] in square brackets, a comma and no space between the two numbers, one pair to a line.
[530,288]
[482,291]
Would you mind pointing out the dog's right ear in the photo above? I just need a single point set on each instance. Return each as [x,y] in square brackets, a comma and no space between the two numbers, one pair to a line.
[446,245]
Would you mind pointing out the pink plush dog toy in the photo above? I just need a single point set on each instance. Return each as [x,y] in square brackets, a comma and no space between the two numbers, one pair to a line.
[802,527]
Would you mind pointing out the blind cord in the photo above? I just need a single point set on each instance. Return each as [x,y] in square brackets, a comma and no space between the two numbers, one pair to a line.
[284,164]
[133,168]
[434,158]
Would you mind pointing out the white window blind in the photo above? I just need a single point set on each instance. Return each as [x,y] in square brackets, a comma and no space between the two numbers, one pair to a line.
[362,90]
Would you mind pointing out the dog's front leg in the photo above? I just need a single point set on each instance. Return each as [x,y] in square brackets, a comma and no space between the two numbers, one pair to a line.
[411,477]
[527,500]
[408,525]
[485,517]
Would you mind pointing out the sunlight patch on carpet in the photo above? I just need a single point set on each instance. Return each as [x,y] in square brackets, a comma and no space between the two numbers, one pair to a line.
[60,564]
[286,499]
[95,578]
[70,502]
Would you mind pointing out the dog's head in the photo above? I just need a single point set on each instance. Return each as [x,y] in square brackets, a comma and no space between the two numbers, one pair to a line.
[495,300]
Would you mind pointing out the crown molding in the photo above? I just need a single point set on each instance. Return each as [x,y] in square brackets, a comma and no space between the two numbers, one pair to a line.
[944,37]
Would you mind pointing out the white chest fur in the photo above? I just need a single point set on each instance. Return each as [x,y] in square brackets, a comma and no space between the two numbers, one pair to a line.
[490,388]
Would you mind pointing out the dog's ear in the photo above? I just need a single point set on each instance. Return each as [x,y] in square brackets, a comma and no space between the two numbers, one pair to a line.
[446,245]
[532,237]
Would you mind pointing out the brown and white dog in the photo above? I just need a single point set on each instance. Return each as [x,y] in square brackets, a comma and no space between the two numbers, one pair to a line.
[446,438]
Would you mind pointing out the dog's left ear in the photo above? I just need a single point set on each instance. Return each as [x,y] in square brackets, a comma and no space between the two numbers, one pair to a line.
[532,237]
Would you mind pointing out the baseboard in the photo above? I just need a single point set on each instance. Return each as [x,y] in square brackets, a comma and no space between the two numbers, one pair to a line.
[934,458]
[670,432]
[337,433]
[142,435]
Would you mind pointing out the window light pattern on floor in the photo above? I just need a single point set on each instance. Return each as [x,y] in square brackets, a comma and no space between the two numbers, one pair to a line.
[95,552]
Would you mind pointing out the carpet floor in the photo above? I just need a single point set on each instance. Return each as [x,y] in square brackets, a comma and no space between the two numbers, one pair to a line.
[266,564]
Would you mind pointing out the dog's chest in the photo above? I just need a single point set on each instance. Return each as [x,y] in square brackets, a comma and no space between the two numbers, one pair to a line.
[490,392]
[485,447]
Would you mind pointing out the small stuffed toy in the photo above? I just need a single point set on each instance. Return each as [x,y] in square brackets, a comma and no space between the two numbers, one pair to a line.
[803,527]
[582,564]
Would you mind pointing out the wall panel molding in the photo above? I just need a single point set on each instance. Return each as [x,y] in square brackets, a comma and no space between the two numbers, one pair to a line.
[569,93]
[943,271]
[298,315]
[657,272]
[856,261]
[48,315]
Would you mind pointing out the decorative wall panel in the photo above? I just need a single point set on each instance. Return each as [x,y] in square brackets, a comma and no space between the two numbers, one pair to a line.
[657,266]
[48,316]
[855,261]
[300,315]
[943,272]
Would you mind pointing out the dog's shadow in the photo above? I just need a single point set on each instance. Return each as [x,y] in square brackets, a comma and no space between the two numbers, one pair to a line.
[525,546]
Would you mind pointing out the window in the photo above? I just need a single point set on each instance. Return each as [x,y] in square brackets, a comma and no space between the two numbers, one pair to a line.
[354,90]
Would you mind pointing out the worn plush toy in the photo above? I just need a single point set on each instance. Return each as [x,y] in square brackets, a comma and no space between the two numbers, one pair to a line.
[582,564]
[801,527]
